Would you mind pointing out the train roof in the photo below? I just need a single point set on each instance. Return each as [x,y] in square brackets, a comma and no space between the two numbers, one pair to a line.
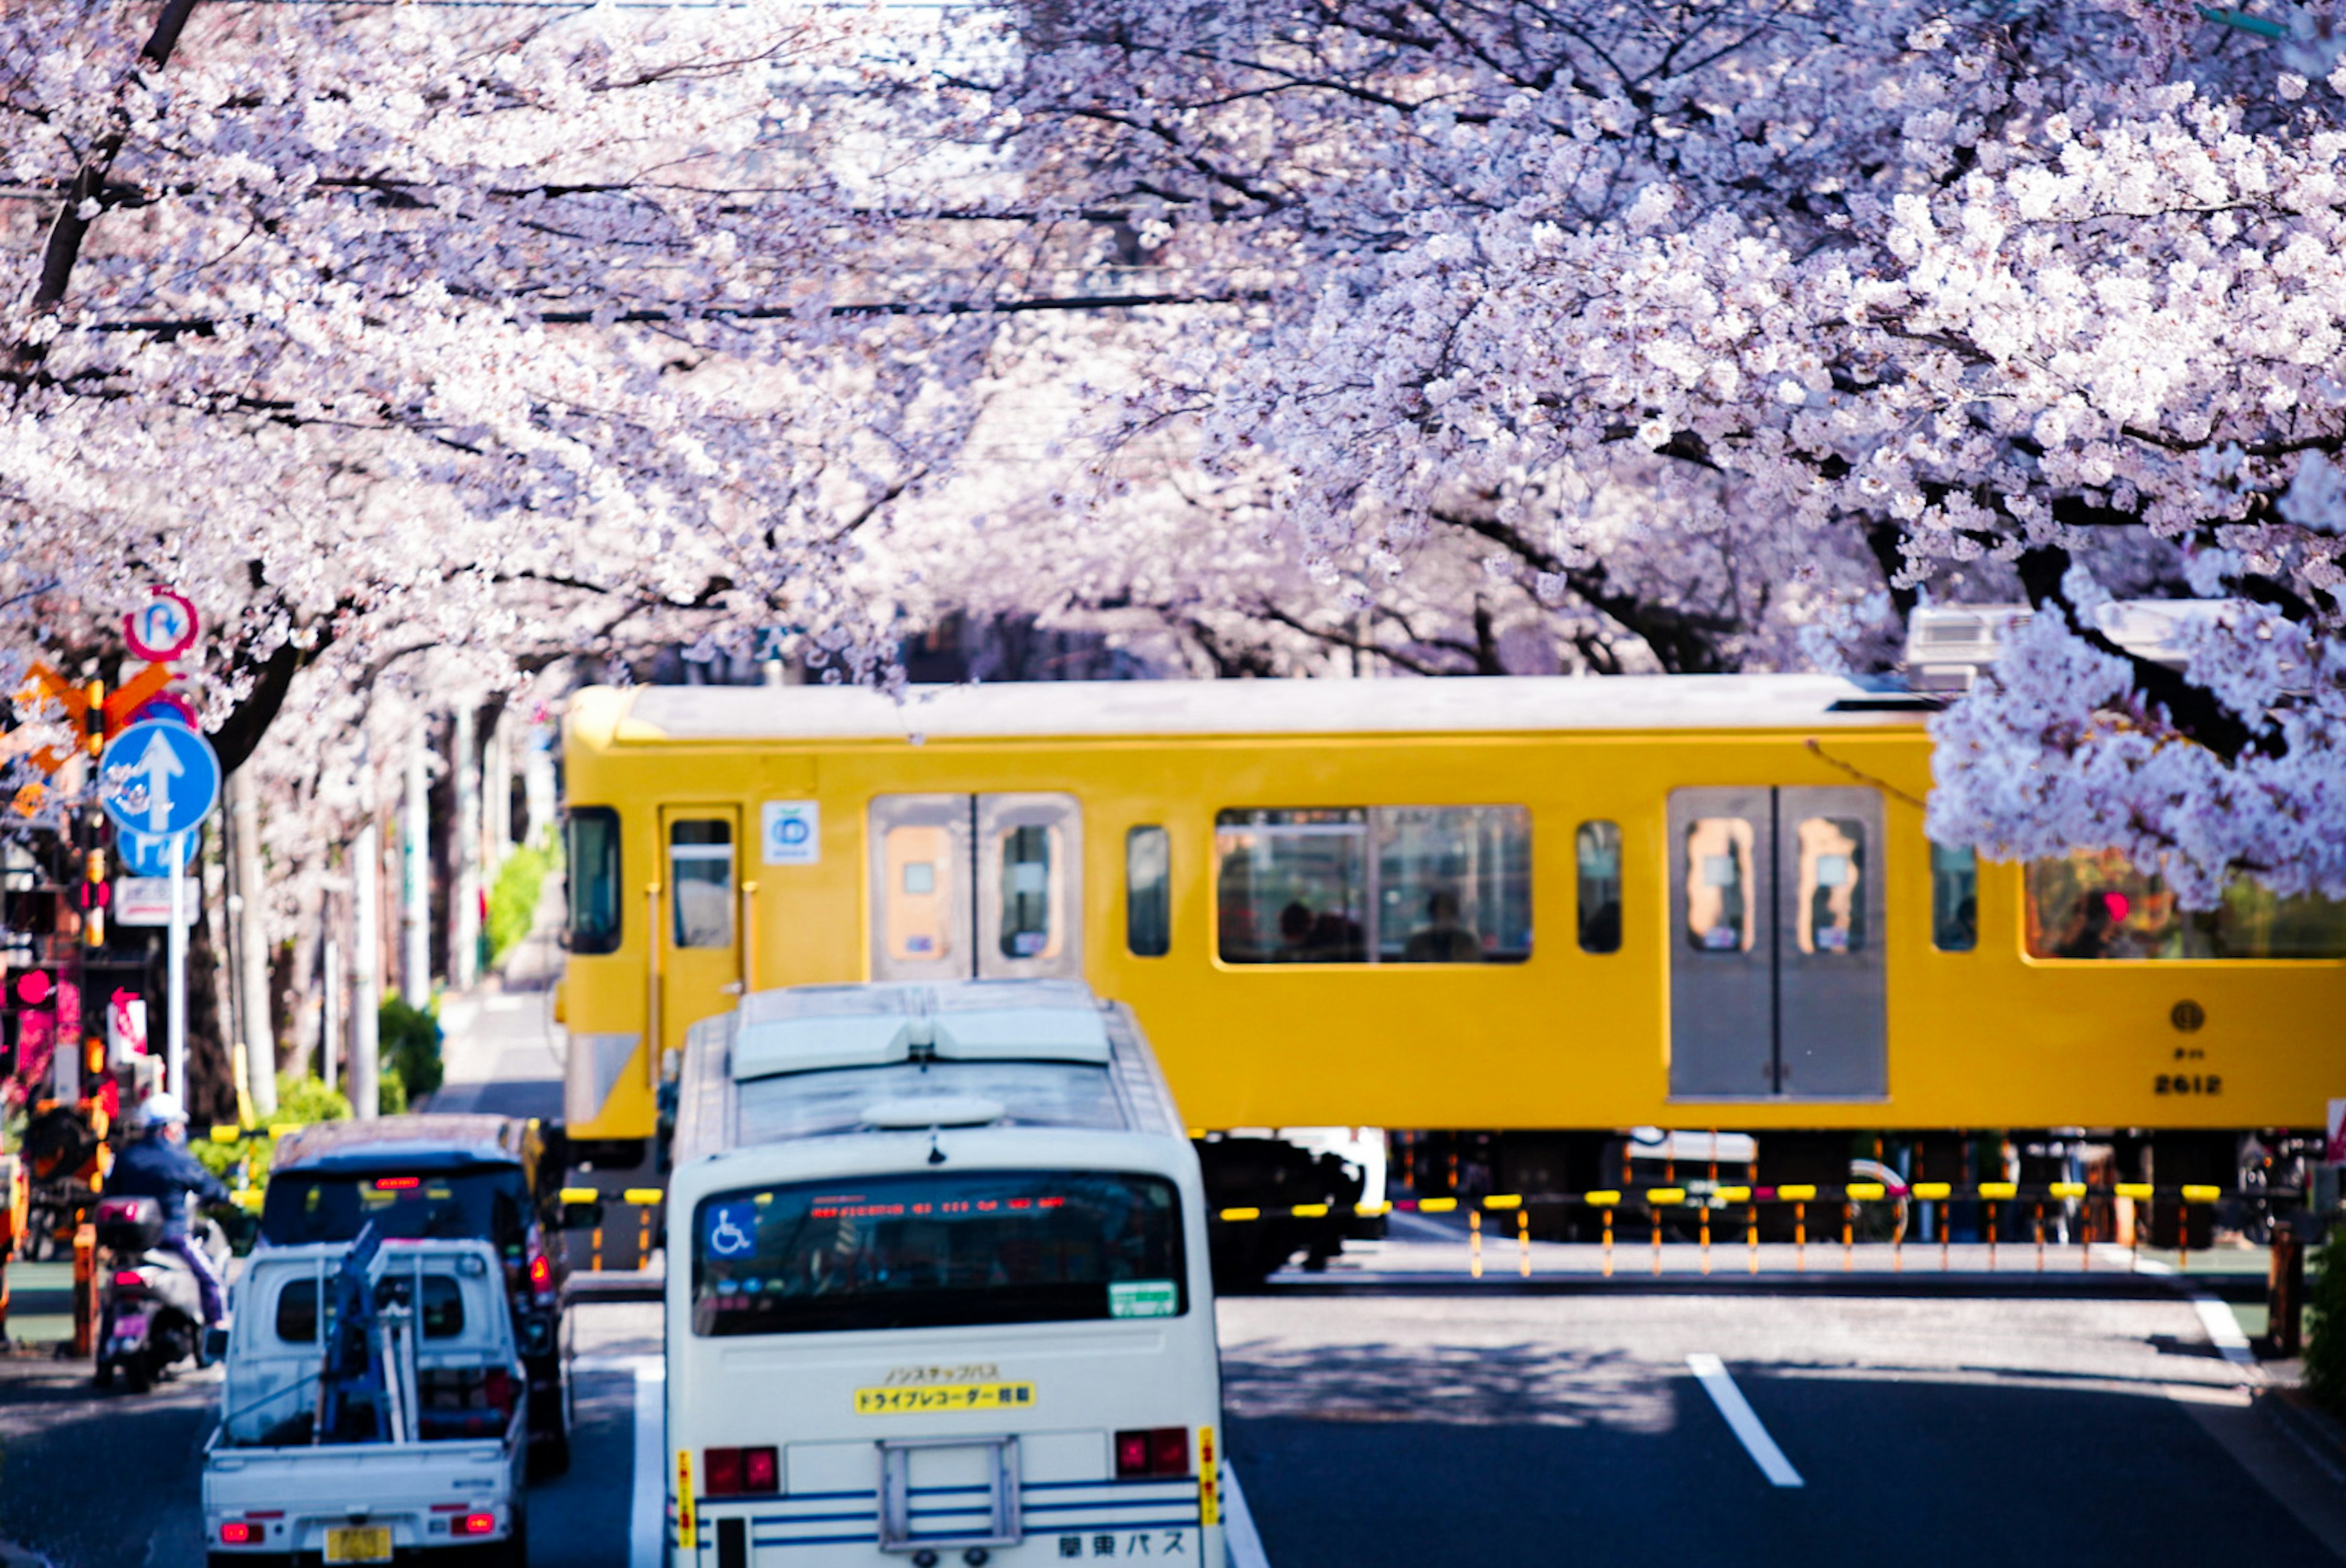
[1070,710]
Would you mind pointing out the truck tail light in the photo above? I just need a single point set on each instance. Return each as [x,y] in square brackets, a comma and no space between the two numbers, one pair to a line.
[236,1532]
[541,1273]
[1155,1452]
[742,1471]
[475,1524]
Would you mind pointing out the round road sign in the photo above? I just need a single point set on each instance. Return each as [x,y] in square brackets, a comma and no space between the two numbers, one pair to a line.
[162,629]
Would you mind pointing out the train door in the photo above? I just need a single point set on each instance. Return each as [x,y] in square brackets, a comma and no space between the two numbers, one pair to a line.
[984,886]
[696,955]
[1777,982]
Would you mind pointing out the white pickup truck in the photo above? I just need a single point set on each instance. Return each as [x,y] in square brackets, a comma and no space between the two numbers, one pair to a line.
[441,1453]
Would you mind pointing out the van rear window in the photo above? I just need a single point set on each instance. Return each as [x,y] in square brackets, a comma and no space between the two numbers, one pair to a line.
[937,1250]
[488,1203]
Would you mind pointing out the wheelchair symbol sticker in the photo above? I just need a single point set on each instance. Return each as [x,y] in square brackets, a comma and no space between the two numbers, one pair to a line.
[792,832]
[732,1229]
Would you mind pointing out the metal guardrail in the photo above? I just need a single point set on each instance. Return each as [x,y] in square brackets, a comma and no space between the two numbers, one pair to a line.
[1706,1199]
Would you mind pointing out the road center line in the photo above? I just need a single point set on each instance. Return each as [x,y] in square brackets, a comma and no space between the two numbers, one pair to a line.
[1711,1372]
[647,1515]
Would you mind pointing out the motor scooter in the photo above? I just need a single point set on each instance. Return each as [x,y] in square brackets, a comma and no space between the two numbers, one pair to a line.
[150,1308]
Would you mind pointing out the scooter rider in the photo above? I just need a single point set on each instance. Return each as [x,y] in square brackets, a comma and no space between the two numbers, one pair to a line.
[155,1165]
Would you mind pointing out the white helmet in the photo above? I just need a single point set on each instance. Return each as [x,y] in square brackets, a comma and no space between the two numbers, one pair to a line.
[159,1109]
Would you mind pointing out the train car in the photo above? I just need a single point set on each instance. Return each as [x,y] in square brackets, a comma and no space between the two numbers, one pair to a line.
[1545,909]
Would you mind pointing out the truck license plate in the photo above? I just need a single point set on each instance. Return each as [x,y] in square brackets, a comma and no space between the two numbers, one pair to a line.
[365,1543]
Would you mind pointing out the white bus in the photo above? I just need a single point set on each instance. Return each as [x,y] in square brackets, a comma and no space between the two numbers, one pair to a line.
[937,1287]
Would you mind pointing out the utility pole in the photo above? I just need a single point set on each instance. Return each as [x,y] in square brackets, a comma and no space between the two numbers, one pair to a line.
[464,894]
[366,971]
[415,885]
[254,1013]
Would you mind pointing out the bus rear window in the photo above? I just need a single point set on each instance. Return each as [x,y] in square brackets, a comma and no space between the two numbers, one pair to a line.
[940,1250]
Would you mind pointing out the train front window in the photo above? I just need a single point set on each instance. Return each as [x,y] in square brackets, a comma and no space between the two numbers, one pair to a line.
[1830,914]
[937,1250]
[594,877]
[2096,904]
[701,875]
[1719,885]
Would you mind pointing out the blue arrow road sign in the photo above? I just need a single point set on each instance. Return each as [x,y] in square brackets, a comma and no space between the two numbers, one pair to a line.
[159,777]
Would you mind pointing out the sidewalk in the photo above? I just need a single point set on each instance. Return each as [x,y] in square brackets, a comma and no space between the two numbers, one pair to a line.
[501,1048]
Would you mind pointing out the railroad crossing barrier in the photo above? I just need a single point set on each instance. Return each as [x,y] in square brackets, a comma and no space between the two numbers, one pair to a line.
[1705,1199]
[593,1201]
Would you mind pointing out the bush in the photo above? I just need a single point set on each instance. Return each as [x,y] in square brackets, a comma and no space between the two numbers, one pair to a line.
[245,1163]
[307,1100]
[2325,1350]
[391,1092]
[410,1054]
[512,901]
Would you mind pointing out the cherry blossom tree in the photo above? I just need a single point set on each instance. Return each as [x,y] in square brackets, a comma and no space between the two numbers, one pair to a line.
[1898,300]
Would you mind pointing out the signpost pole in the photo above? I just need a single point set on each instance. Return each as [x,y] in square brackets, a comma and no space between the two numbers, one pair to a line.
[176,951]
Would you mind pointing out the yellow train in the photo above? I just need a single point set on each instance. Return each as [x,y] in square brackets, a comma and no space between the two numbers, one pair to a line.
[1494,904]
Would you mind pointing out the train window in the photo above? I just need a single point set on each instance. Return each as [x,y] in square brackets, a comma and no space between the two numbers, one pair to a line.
[1596,848]
[594,867]
[1454,885]
[1954,899]
[1028,892]
[1830,914]
[2096,904]
[701,879]
[1293,885]
[1391,884]
[1149,892]
[1719,885]
[919,860]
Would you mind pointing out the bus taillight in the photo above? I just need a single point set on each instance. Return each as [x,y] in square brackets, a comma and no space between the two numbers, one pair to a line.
[1157,1451]
[742,1471]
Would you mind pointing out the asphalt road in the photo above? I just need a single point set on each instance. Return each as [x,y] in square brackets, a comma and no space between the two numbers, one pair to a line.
[1398,1428]
[1405,1428]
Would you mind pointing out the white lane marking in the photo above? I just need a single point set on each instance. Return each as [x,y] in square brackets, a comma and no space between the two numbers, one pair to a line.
[632,1366]
[2224,1330]
[1711,1372]
[2215,1316]
[1240,1538]
[648,1517]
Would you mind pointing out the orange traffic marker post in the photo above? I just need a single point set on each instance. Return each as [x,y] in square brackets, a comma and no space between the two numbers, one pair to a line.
[1848,1235]
[1604,1202]
[1524,1242]
[85,1280]
[1474,1243]
[2040,1239]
